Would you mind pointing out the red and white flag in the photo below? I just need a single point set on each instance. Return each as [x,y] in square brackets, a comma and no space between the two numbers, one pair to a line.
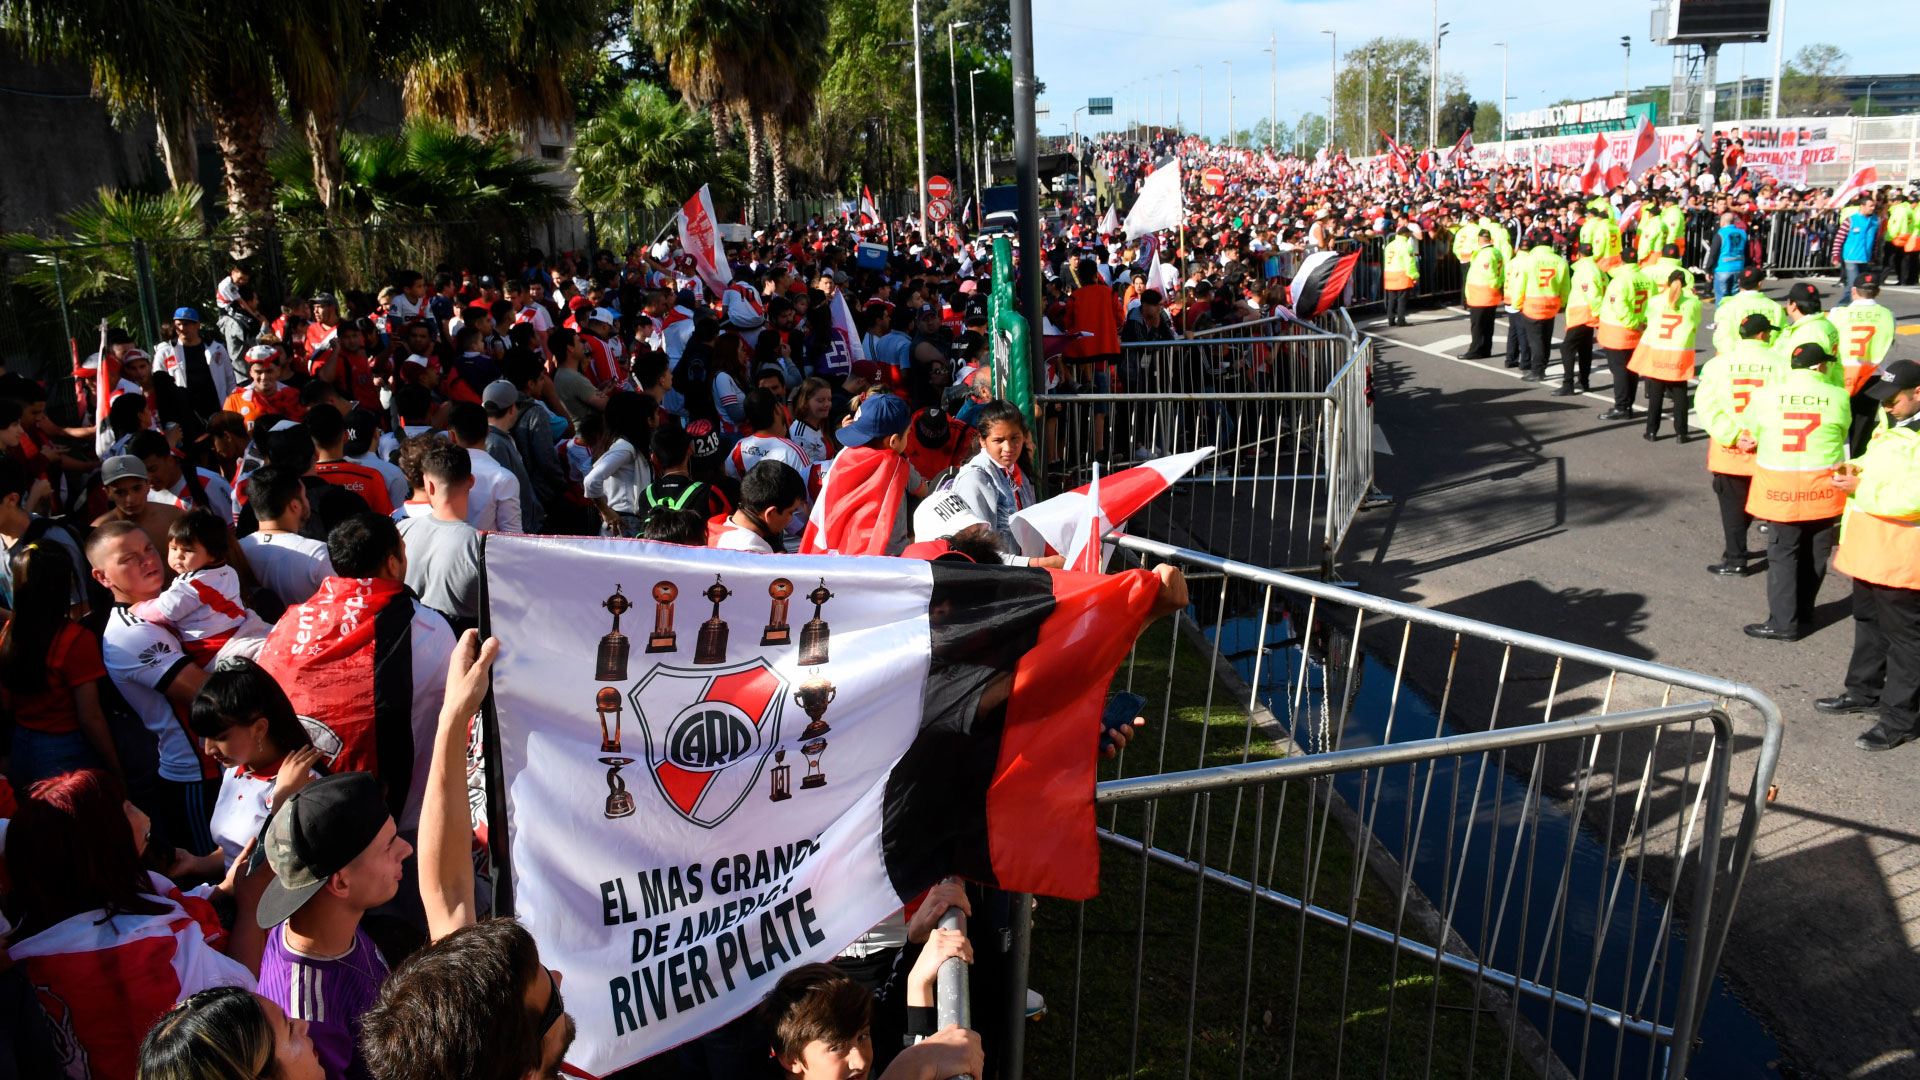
[1060,525]
[1462,149]
[1643,152]
[749,800]
[1599,164]
[847,350]
[869,213]
[1089,553]
[1862,178]
[103,981]
[700,238]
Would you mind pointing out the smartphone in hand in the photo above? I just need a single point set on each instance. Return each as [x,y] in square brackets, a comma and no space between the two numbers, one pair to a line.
[1120,713]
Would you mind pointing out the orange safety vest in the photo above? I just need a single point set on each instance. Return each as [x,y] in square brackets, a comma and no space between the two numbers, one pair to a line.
[1665,351]
[1882,550]
[1801,495]
[1617,337]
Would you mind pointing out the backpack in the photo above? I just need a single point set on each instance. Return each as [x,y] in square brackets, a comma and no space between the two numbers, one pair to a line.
[99,597]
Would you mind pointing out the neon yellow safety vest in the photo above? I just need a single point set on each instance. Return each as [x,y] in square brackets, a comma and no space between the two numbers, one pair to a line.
[1818,328]
[1865,332]
[1727,386]
[1799,423]
[1734,310]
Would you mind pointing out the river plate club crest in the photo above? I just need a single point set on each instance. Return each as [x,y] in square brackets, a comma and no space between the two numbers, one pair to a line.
[708,733]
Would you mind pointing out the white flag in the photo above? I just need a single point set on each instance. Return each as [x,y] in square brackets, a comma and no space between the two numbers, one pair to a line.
[846,339]
[1160,204]
[700,238]
[1111,223]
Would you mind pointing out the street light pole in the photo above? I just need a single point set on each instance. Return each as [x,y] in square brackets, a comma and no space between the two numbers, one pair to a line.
[1627,90]
[1366,98]
[1229,64]
[953,91]
[919,114]
[1200,128]
[1870,97]
[1176,101]
[1396,108]
[1433,82]
[1779,31]
[1504,53]
[973,103]
[1333,82]
[1273,90]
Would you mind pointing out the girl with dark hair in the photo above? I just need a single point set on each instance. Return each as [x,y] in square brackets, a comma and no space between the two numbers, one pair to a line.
[50,669]
[103,939]
[245,722]
[994,483]
[127,416]
[620,476]
[728,379]
[228,1033]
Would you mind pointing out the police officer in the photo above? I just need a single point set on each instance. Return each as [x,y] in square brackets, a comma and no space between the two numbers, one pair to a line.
[1727,386]
[1797,429]
[1586,290]
[1545,284]
[1880,551]
[1401,266]
[1865,330]
[1485,274]
[1623,316]
[1664,357]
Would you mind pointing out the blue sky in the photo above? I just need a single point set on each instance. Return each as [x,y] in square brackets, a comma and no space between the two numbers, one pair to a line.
[1092,48]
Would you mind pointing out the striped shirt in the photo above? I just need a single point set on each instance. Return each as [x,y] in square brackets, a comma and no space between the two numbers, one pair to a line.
[330,994]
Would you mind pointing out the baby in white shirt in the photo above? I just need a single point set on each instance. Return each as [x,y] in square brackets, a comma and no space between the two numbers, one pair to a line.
[203,606]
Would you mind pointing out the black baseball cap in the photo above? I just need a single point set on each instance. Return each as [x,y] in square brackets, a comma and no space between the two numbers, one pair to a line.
[1803,291]
[1752,276]
[1755,325]
[362,429]
[1809,354]
[1895,377]
[314,835]
[1868,279]
[1670,251]
[931,427]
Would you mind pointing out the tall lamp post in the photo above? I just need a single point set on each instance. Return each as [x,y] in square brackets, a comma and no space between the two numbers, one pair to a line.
[1200,127]
[953,91]
[1273,91]
[1504,52]
[1333,79]
[1229,64]
[1396,108]
[973,103]
[919,113]
[1176,100]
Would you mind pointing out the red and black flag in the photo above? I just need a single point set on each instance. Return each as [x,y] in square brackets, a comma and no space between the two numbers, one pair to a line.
[1321,283]
[730,764]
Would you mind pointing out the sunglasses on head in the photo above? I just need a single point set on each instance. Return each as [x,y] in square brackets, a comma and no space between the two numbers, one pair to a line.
[555,1008]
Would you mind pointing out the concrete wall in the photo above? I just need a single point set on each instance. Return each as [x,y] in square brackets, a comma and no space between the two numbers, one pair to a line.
[61,144]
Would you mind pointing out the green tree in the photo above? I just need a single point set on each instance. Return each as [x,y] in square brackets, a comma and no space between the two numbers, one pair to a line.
[1486,122]
[90,257]
[1810,83]
[709,48]
[142,55]
[1457,114]
[425,171]
[647,151]
[1365,90]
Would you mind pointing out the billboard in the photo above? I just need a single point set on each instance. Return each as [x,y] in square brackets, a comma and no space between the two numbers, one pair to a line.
[1697,22]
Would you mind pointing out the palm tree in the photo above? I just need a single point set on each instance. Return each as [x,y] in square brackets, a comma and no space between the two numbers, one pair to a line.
[793,66]
[91,258]
[142,54]
[646,151]
[316,47]
[426,171]
[489,66]
[710,47]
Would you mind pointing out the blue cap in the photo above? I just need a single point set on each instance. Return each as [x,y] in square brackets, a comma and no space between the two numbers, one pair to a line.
[881,416]
[186,313]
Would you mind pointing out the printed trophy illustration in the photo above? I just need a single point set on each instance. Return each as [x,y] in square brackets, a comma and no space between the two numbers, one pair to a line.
[813,697]
[782,778]
[711,646]
[813,636]
[619,800]
[605,702]
[812,751]
[614,647]
[777,632]
[662,639]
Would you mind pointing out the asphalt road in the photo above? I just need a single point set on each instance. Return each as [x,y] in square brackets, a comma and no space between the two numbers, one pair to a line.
[1526,510]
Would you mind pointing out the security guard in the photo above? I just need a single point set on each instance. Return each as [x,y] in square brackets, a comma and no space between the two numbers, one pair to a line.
[1731,312]
[1797,429]
[1586,290]
[1727,386]
[1650,234]
[1903,253]
[1606,234]
[1401,267]
[1806,322]
[1880,551]
[1865,329]
[1545,285]
[1623,316]
[1519,349]
[1485,274]
[1664,357]
[1666,262]
[1673,220]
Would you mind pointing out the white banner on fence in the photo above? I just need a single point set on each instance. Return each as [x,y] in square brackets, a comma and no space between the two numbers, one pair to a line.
[1783,149]
[682,829]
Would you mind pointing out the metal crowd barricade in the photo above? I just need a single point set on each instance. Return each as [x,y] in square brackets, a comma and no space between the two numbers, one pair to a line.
[1363,837]
[1798,241]
[1284,403]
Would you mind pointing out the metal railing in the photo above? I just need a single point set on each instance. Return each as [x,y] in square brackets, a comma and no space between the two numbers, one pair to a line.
[1365,837]
[1286,405]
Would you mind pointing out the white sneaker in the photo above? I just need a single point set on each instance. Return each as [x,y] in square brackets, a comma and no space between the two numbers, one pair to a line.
[1036,1005]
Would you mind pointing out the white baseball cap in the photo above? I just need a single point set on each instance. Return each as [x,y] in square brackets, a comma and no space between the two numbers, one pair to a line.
[942,515]
[604,315]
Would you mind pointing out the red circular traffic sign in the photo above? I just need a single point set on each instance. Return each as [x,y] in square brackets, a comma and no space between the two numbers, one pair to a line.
[938,187]
[939,209]
[1216,178]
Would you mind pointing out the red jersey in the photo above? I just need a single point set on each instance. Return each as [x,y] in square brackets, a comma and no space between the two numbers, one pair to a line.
[361,480]
[354,379]
[251,404]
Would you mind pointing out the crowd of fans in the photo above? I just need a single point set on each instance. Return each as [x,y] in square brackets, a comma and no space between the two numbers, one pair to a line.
[188,785]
